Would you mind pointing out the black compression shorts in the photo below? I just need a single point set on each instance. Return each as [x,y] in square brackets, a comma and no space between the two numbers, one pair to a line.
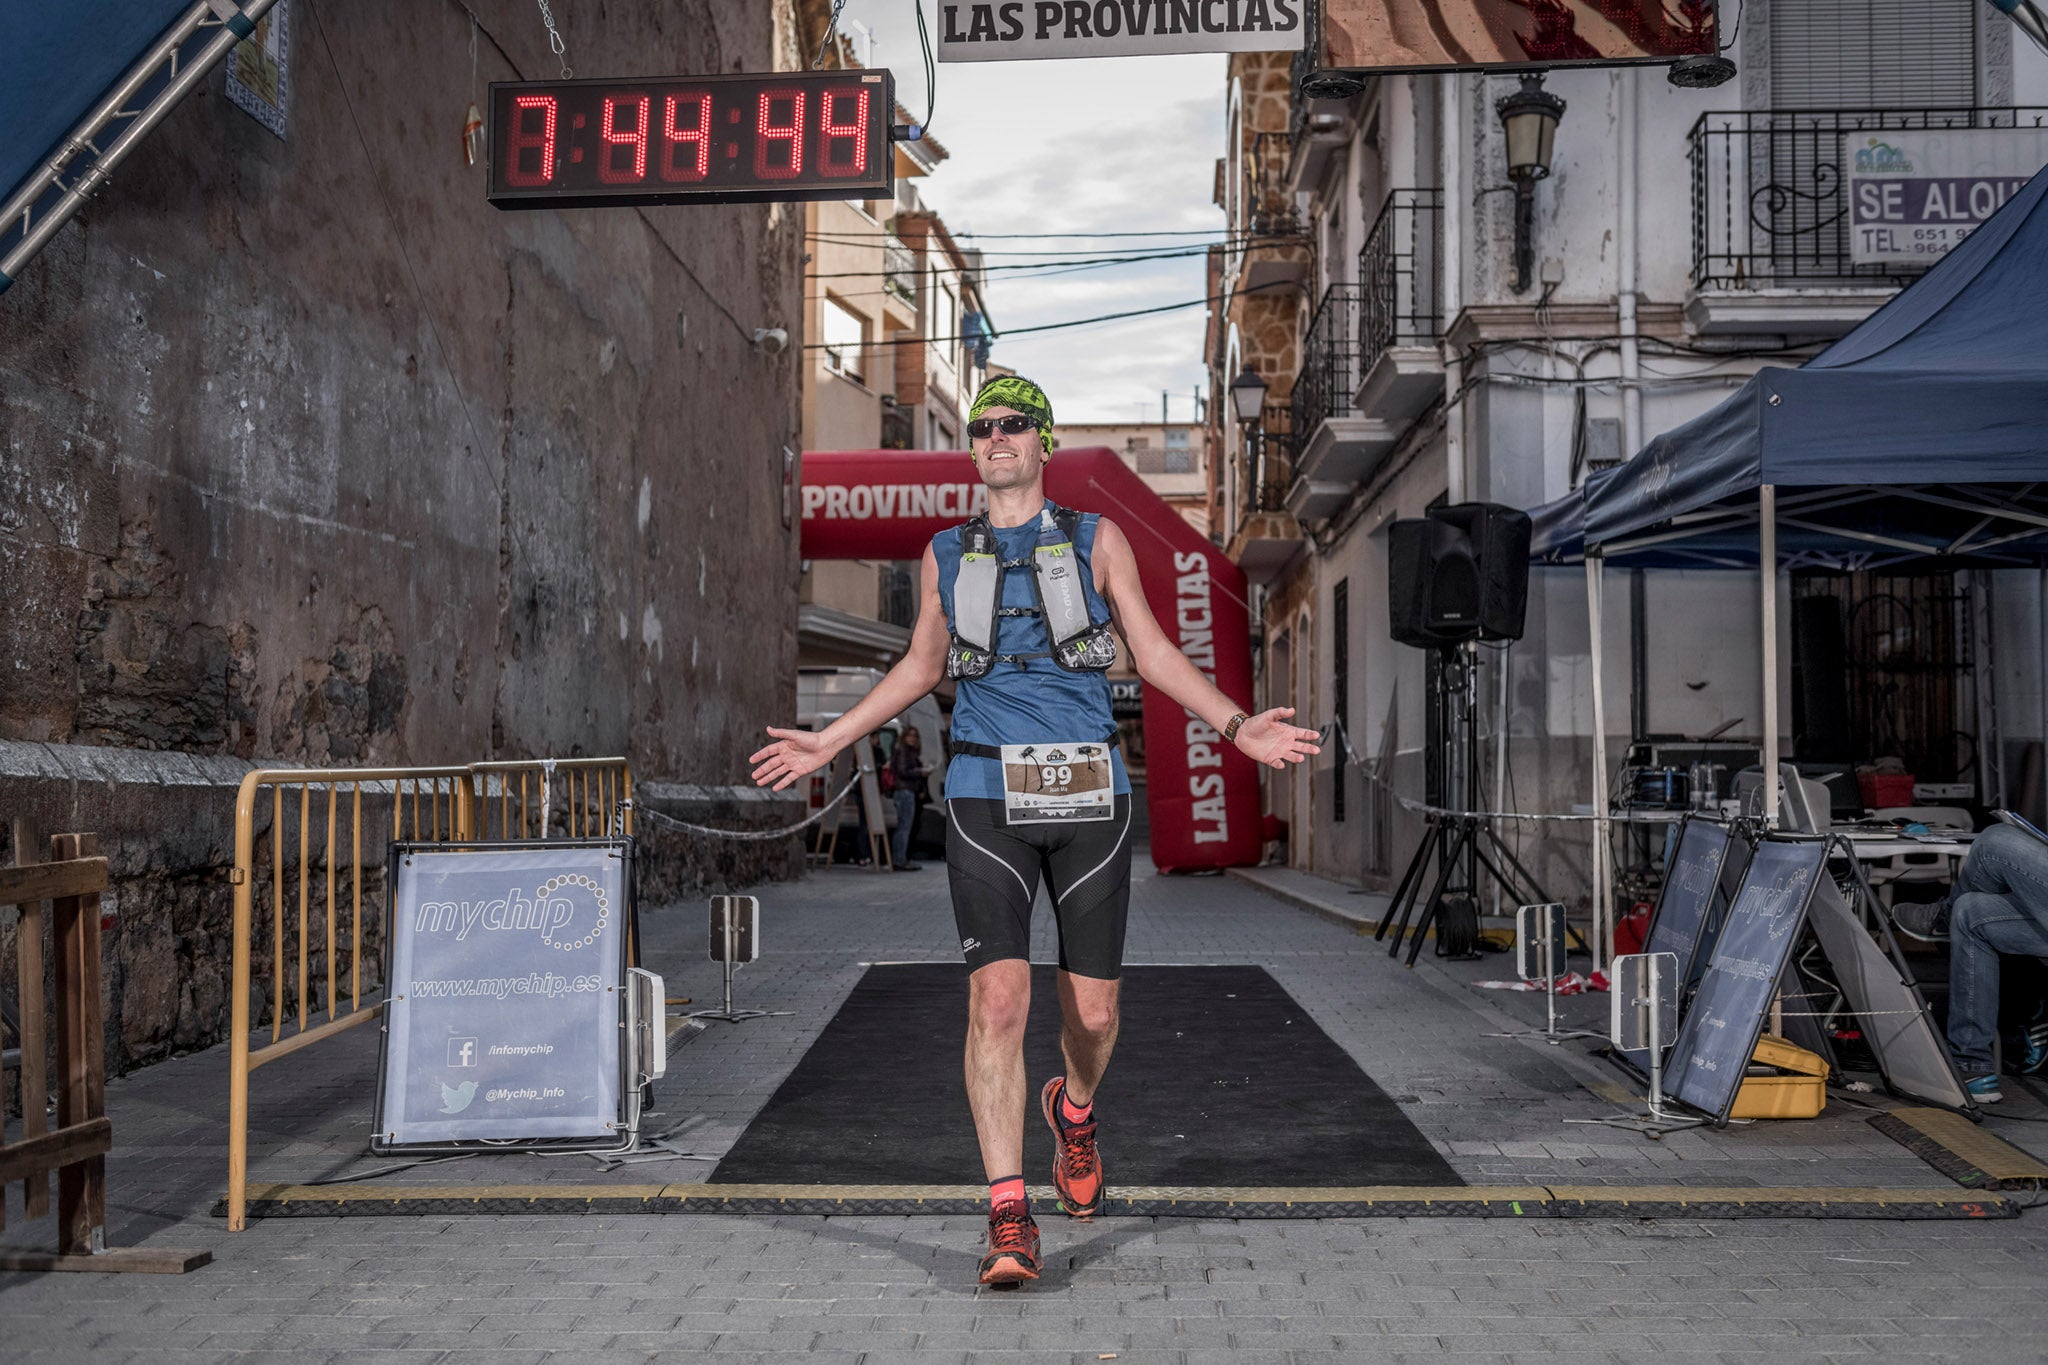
[994,869]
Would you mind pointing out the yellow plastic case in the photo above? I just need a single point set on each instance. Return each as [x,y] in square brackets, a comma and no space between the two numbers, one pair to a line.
[1800,1091]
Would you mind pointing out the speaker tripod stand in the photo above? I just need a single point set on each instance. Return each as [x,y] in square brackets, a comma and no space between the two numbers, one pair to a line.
[1461,846]
[1460,843]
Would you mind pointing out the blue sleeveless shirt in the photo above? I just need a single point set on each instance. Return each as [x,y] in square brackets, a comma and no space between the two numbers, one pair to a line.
[1032,701]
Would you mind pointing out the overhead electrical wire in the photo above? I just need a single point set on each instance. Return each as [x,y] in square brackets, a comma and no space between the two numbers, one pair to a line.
[1057,266]
[1250,239]
[1040,327]
[1039,236]
[1065,268]
[865,238]
[876,293]
[1014,267]
[931,70]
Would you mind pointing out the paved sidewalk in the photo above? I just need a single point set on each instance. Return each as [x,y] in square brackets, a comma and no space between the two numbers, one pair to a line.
[524,1287]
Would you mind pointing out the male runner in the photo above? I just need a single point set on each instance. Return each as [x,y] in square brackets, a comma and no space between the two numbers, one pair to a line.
[1027,791]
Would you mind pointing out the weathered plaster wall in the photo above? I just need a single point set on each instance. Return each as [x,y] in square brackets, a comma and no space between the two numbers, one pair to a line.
[308,455]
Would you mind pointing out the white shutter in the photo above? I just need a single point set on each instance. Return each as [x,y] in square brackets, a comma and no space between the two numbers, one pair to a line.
[1873,54]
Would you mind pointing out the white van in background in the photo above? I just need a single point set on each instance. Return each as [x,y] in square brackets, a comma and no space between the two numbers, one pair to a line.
[823,695]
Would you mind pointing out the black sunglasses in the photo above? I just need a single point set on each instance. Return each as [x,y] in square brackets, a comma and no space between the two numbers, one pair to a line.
[981,428]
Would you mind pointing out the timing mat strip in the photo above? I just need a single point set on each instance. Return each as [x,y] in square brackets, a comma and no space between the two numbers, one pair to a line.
[1372,1201]
[1962,1151]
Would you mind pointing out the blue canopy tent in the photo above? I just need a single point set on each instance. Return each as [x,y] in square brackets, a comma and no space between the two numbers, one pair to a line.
[1922,434]
[81,83]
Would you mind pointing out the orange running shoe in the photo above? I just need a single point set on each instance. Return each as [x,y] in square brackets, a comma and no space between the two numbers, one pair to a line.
[1012,1246]
[1077,1166]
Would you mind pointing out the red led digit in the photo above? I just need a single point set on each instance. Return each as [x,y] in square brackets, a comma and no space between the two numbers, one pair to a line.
[790,134]
[635,138]
[521,138]
[697,166]
[833,133]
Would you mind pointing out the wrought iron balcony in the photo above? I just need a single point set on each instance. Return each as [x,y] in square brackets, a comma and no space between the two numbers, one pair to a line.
[1268,246]
[1329,362]
[1269,204]
[1770,196]
[1339,438]
[1398,273]
[899,270]
[1270,459]
[1266,537]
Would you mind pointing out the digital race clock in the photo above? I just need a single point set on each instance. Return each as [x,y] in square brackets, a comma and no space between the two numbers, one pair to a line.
[692,139]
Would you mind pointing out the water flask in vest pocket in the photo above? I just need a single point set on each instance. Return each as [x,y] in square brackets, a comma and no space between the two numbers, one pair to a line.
[1089,652]
[977,584]
[964,661]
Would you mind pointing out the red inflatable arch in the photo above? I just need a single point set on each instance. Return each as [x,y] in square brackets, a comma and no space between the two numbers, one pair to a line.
[1203,795]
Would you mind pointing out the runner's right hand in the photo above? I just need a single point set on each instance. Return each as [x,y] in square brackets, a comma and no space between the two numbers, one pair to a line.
[794,753]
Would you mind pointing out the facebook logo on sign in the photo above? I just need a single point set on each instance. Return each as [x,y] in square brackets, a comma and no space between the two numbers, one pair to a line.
[462,1052]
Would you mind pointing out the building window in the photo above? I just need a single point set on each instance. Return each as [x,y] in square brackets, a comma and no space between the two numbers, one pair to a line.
[945,319]
[1873,54]
[846,339]
[1340,683]
[898,582]
[1179,458]
[898,425]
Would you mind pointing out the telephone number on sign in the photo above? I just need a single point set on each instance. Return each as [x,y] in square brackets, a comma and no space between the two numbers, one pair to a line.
[1893,242]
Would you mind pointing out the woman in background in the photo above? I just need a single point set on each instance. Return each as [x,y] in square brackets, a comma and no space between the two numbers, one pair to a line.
[906,763]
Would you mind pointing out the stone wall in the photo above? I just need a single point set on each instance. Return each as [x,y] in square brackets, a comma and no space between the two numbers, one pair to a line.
[308,456]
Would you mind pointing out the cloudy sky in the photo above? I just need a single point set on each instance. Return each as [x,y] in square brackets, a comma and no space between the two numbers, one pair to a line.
[1101,145]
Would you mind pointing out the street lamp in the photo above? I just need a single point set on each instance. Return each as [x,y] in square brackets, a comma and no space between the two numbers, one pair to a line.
[1248,403]
[1248,396]
[1529,117]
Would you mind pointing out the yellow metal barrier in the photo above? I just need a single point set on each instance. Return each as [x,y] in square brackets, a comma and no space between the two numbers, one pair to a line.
[583,797]
[594,796]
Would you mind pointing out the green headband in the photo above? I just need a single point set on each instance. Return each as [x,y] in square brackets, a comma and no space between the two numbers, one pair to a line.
[1014,391]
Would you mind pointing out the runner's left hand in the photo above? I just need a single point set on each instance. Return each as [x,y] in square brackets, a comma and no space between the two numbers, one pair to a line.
[1267,738]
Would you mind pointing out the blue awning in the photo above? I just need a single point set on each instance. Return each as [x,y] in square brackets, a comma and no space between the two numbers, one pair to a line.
[1923,432]
[57,61]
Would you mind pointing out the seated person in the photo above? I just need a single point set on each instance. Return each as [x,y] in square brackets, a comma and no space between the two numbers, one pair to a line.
[1998,904]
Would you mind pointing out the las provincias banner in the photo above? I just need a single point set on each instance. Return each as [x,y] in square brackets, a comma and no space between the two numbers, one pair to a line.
[1025,30]
[1202,794]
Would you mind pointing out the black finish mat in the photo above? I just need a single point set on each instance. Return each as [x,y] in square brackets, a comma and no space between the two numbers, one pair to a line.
[1220,1078]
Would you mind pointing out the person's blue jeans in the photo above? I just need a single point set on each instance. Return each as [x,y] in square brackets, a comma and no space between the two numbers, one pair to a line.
[1999,904]
[906,821]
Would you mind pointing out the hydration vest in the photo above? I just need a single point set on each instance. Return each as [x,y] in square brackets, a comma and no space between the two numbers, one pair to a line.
[1079,643]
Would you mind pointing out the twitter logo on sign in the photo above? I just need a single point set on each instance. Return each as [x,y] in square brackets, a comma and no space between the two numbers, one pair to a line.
[456,1098]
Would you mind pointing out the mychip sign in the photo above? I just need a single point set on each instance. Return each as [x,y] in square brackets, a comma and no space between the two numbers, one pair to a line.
[1915,194]
[506,970]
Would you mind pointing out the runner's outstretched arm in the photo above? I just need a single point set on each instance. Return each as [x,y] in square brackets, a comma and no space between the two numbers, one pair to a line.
[797,752]
[1265,738]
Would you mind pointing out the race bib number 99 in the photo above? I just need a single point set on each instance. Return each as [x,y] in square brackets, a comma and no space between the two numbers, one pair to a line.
[1046,784]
